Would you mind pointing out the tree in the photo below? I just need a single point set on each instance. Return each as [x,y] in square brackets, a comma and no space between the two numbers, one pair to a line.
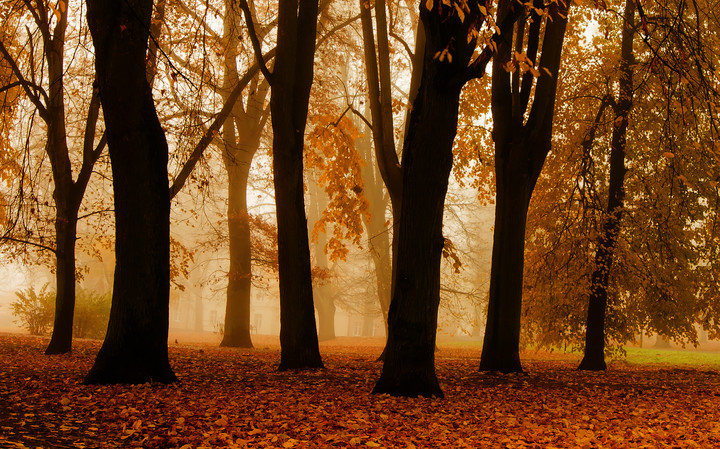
[135,347]
[241,139]
[522,141]
[291,81]
[594,354]
[52,24]
[451,37]
[660,281]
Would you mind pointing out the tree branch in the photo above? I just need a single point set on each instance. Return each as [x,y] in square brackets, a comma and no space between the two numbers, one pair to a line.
[214,128]
[26,85]
[257,48]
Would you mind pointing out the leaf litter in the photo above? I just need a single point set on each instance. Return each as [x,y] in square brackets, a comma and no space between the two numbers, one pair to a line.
[235,398]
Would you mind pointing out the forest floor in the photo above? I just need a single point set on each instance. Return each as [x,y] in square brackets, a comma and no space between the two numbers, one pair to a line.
[237,398]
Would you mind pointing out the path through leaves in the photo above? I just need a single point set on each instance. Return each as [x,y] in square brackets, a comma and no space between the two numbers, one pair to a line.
[236,398]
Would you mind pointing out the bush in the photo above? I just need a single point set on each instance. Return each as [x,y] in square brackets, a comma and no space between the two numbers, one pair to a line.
[35,311]
[92,311]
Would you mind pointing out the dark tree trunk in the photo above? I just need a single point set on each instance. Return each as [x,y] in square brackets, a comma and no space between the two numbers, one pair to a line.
[409,356]
[594,354]
[67,205]
[521,146]
[514,188]
[409,368]
[65,235]
[291,83]
[68,194]
[135,346]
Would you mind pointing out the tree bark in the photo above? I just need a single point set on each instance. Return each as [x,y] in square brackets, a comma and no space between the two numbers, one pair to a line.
[594,353]
[409,362]
[291,82]
[135,347]
[520,150]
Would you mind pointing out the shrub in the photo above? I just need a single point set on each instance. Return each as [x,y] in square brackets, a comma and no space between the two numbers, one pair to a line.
[92,311]
[35,311]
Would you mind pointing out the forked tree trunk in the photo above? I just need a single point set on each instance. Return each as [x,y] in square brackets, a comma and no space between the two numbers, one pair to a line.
[68,194]
[409,368]
[135,347]
[594,354]
[522,141]
[241,139]
[409,358]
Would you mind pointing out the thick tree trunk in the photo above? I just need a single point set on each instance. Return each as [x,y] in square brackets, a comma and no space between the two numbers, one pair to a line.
[502,332]
[135,347]
[409,368]
[522,142]
[291,83]
[594,354]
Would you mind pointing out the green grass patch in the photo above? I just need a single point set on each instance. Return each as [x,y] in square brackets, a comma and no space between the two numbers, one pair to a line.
[654,356]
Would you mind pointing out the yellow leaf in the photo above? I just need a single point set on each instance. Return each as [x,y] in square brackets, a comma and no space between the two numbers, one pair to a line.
[461,13]
[669,155]
[372,444]
[429,5]
[290,443]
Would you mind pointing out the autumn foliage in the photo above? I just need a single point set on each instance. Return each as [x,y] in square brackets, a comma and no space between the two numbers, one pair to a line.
[236,398]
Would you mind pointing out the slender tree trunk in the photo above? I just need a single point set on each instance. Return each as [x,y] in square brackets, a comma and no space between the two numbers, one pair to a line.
[65,235]
[135,347]
[291,82]
[376,225]
[594,355]
[66,205]
[237,311]
[324,299]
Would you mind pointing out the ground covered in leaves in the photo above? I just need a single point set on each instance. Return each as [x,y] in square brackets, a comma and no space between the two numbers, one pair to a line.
[236,398]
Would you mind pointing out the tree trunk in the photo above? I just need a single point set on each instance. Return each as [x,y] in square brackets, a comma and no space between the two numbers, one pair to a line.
[522,142]
[241,139]
[291,83]
[409,362]
[502,332]
[325,307]
[65,236]
[135,347]
[237,309]
[594,354]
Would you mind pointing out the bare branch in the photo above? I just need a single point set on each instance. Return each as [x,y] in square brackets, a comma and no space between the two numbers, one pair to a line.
[214,128]
[257,48]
